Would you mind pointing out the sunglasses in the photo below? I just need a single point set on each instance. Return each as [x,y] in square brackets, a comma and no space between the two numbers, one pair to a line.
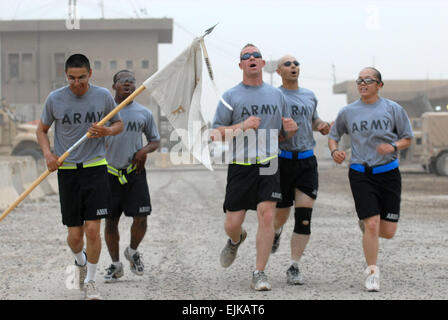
[288,63]
[130,80]
[367,81]
[247,56]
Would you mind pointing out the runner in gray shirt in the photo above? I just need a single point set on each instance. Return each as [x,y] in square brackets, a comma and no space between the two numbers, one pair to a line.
[259,111]
[126,157]
[83,186]
[298,165]
[378,128]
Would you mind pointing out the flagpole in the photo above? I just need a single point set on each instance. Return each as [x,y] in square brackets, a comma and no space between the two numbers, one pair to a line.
[209,68]
[67,153]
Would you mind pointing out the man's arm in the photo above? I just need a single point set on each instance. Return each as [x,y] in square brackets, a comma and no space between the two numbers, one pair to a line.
[97,131]
[219,134]
[385,148]
[322,126]
[44,143]
[140,156]
[290,127]
[337,155]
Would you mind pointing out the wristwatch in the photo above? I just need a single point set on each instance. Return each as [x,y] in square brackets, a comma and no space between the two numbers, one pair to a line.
[393,144]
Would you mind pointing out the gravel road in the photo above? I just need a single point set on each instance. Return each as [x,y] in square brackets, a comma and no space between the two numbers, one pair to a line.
[185,236]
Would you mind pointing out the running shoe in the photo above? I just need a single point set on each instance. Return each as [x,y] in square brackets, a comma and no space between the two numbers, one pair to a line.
[228,254]
[260,282]
[293,275]
[136,262]
[91,291]
[114,272]
[373,279]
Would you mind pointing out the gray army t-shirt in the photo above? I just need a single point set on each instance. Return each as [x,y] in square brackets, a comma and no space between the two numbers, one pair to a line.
[302,104]
[136,120]
[73,116]
[265,102]
[369,125]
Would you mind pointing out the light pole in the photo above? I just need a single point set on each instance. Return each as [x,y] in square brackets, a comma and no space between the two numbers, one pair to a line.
[270,67]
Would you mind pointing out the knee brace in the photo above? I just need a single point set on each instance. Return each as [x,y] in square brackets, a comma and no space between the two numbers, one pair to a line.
[302,220]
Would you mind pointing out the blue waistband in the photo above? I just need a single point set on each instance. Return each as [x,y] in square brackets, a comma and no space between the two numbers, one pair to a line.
[296,155]
[375,170]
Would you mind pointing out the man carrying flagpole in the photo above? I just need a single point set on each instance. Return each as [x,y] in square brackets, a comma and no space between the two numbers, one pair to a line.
[126,158]
[82,178]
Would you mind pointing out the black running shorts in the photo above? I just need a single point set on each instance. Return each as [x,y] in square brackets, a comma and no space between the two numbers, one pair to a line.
[298,174]
[246,188]
[376,194]
[132,198]
[84,194]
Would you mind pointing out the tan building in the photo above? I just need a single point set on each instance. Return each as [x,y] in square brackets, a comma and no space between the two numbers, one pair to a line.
[33,55]
[416,96]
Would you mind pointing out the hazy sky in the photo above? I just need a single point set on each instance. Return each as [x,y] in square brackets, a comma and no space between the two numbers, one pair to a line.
[403,39]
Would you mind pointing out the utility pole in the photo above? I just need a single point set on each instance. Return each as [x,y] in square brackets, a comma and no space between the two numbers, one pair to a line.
[333,67]
[271,67]
[101,4]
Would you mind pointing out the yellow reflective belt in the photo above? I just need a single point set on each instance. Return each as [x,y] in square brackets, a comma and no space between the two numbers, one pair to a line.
[257,161]
[119,173]
[95,162]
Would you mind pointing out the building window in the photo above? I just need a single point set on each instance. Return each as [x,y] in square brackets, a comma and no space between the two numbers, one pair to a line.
[97,65]
[145,64]
[13,65]
[28,70]
[59,65]
[129,64]
[113,65]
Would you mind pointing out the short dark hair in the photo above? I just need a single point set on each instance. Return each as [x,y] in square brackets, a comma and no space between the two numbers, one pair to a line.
[377,74]
[248,45]
[77,60]
[115,78]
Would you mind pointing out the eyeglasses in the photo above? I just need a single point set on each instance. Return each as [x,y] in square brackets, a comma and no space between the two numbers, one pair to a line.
[367,81]
[130,80]
[81,79]
[288,63]
[247,56]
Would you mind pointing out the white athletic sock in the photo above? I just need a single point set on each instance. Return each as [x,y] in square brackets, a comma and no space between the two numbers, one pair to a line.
[294,262]
[80,258]
[116,263]
[131,251]
[91,272]
[278,231]
[234,243]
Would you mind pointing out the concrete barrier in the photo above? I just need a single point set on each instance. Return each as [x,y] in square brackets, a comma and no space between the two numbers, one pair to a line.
[18,173]
[50,184]
[8,192]
[28,174]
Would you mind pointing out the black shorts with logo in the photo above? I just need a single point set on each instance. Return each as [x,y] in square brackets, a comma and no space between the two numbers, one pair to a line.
[298,174]
[84,194]
[376,194]
[132,198]
[246,187]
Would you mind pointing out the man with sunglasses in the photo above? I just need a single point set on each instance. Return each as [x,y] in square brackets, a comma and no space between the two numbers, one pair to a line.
[378,128]
[82,178]
[298,165]
[126,158]
[259,114]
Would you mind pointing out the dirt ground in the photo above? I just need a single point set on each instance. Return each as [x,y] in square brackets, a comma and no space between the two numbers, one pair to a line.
[185,237]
